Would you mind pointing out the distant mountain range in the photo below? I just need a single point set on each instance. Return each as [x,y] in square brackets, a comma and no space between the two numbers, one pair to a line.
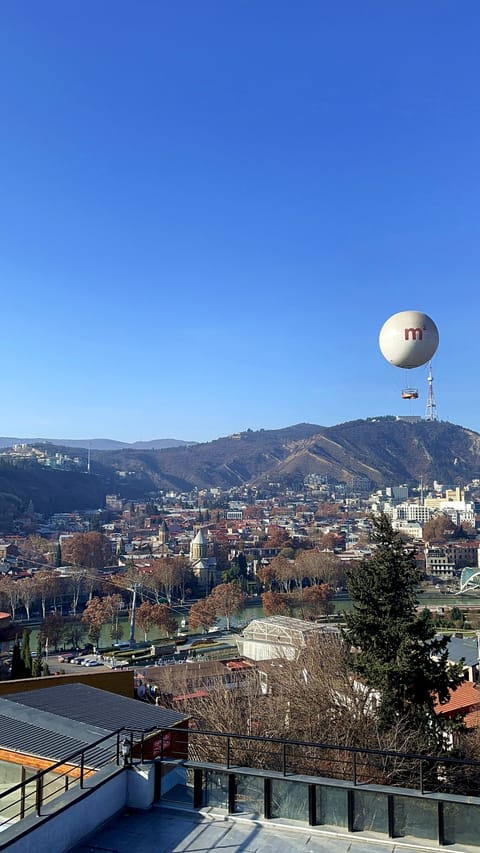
[97,443]
[384,450]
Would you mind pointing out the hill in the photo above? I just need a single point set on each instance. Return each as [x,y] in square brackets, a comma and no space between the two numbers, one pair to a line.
[96,443]
[384,450]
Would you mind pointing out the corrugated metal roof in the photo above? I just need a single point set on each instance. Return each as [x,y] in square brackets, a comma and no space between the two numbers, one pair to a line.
[20,736]
[94,707]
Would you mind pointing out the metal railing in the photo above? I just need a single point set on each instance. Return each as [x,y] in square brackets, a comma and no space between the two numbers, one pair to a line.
[34,793]
[358,765]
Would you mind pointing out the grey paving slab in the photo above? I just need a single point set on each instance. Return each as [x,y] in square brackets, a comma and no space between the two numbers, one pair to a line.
[170,831]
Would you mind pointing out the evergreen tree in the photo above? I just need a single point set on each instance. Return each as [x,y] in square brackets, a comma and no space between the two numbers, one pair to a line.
[37,660]
[58,555]
[398,653]
[18,669]
[26,654]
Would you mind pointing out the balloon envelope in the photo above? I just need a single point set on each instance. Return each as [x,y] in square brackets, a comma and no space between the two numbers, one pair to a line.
[408,339]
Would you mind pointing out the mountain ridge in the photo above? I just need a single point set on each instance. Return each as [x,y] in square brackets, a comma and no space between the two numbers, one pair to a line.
[97,443]
[383,451]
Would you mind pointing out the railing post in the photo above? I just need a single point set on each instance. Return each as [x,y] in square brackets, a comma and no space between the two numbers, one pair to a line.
[82,766]
[312,805]
[22,795]
[441,825]
[197,787]
[284,758]
[267,798]
[228,751]
[354,767]
[231,792]
[38,794]
[390,816]
[421,777]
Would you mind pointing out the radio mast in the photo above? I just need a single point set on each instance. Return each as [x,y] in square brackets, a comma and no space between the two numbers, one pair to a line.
[431,410]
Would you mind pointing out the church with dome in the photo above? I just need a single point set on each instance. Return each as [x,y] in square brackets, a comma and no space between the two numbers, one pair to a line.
[203,563]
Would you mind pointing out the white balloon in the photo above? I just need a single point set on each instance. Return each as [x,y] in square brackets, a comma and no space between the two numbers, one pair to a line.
[408,339]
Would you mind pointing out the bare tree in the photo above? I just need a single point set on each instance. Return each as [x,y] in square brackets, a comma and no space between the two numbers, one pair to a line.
[44,583]
[11,592]
[228,600]
[77,576]
[26,593]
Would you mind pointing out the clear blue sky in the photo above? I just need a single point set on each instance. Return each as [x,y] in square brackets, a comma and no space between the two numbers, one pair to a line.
[208,209]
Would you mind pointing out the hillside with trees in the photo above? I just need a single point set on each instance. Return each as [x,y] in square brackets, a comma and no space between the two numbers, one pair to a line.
[382,451]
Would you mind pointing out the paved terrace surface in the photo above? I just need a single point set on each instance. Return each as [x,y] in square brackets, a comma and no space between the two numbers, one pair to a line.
[166,830]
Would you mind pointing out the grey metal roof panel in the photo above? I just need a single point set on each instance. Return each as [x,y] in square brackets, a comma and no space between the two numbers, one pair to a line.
[463,647]
[94,707]
[20,736]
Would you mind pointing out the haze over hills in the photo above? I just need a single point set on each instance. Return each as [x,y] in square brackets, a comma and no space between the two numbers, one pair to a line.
[96,443]
[384,450]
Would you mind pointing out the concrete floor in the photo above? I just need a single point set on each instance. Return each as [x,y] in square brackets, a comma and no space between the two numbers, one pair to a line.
[165,830]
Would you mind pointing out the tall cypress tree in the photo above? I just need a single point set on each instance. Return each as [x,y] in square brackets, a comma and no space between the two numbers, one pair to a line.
[37,660]
[18,669]
[398,653]
[26,654]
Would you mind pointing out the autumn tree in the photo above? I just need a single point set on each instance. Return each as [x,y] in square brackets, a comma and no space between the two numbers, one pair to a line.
[283,570]
[277,603]
[164,619]
[440,528]
[399,654]
[95,615]
[35,549]
[317,599]
[202,614]
[145,618]
[321,567]
[266,575]
[90,550]
[52,629]
[114,605]
[228,600]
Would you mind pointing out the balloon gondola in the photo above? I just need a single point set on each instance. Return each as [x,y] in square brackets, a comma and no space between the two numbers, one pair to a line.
[408,340]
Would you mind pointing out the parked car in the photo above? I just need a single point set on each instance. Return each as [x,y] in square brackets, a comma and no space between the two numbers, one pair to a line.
[92,663]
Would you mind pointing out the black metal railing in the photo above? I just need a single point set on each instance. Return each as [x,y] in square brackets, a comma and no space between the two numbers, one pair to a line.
[33,793]
[360,765]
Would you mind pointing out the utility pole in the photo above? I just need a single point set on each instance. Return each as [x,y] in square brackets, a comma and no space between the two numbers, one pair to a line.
[132,615]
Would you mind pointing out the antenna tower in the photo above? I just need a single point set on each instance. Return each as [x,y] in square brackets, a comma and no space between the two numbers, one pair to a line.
[431,410]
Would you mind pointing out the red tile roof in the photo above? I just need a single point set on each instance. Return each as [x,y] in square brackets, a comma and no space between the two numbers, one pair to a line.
[465,698]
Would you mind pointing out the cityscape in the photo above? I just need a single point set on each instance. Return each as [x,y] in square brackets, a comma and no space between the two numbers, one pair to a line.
[240,433]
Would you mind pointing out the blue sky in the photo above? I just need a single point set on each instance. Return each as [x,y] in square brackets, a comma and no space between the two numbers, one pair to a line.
[208,209]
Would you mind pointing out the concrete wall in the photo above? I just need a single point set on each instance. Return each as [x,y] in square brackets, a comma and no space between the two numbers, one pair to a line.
[77,814]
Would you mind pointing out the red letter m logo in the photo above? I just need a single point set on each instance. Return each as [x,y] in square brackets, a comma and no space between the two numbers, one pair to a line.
[413,334]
